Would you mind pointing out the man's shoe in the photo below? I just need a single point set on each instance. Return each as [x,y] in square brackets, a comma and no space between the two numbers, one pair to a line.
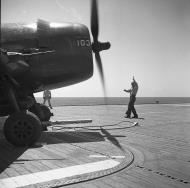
[127,117]
[136,117]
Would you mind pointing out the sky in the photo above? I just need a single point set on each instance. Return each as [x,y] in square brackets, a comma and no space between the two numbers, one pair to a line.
[150,39]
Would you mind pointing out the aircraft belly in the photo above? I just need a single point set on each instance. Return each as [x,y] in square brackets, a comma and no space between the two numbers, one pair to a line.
[55,71]
[72,68]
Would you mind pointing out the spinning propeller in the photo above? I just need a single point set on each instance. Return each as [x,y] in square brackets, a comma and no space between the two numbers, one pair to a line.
[96,45]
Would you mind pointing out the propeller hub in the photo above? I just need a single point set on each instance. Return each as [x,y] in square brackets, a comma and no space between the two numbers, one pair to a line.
[99,46]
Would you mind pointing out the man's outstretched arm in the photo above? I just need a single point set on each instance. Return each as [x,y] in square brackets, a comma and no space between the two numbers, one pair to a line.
[129,90]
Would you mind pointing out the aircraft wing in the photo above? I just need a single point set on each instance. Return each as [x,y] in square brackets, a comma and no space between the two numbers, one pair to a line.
[8,69]
[18,66]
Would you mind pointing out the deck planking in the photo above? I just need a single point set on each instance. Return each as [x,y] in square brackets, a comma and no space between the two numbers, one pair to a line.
[162,139]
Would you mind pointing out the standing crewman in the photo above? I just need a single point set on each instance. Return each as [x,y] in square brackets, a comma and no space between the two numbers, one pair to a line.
[47,97]
[133,93]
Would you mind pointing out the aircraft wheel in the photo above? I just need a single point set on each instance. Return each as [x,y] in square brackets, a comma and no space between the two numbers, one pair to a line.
[45,112]
[22,129]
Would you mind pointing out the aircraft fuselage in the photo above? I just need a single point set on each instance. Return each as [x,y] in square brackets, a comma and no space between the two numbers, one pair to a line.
[57,54]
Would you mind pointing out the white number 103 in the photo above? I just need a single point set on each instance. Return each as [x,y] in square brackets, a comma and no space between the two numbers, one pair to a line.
[83,43]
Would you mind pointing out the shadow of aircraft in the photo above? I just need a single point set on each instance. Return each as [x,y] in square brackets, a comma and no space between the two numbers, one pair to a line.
[9,154]
[71,137]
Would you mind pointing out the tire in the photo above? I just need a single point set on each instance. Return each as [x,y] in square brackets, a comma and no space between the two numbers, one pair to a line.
[46,113]
[22,129]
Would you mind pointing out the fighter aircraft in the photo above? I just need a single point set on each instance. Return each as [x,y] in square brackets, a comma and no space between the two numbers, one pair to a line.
[39,56]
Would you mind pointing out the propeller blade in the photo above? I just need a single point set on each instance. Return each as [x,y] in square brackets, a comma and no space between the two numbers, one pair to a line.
[97,46]
[100,69]
[94,20]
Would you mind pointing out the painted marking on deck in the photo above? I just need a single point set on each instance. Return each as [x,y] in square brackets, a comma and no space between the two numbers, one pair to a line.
[45,176]
[135,124]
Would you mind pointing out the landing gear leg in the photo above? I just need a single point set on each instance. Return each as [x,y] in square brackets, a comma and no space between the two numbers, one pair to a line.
[42,112]
[20,128]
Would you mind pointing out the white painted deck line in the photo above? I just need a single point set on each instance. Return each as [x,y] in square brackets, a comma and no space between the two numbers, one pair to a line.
[104,156]
[135,123]
[40,177]
[98,156]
